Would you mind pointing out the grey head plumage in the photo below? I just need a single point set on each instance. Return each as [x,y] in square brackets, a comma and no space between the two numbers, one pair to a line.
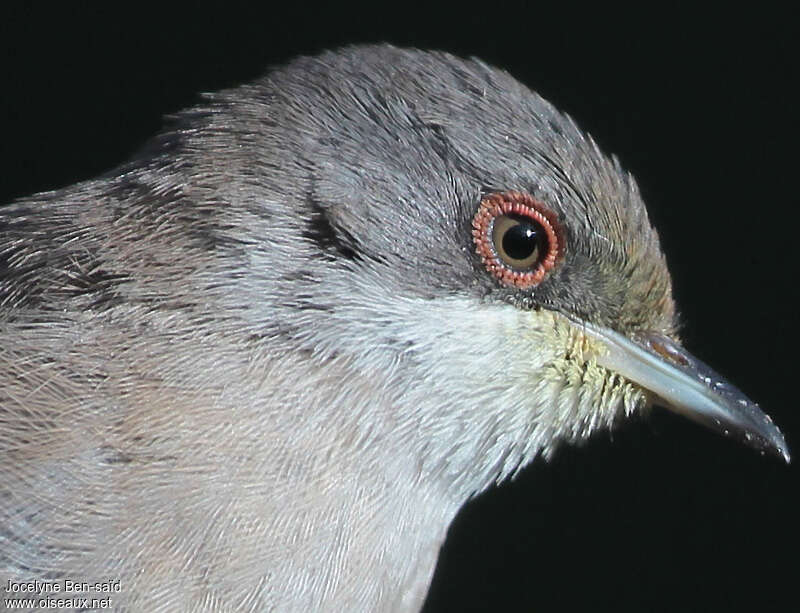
[262,365]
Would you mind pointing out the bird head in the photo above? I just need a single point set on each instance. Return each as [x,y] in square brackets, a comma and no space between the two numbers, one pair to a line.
[453,236]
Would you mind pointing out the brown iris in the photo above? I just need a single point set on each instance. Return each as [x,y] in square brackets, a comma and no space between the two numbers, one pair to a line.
[517,238]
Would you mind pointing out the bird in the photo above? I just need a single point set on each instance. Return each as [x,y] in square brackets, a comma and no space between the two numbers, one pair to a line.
[261,365]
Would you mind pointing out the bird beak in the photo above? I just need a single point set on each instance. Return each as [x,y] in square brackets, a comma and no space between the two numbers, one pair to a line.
[687,386]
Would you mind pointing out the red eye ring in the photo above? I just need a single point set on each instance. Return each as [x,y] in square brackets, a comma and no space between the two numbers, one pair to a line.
[524,205]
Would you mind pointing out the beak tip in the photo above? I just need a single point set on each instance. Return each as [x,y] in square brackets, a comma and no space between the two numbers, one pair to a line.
[784,455]
[783,451]
[770,440]
[760,432]
[774,440]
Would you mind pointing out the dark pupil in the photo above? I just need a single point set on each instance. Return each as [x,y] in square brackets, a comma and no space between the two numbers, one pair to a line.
[521,241]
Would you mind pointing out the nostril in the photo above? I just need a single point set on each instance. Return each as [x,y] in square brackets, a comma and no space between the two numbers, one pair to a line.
[666,350]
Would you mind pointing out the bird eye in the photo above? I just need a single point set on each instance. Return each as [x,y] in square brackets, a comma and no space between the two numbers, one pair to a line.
[517,238]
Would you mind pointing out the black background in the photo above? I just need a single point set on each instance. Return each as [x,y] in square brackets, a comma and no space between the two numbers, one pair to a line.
[661,515]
